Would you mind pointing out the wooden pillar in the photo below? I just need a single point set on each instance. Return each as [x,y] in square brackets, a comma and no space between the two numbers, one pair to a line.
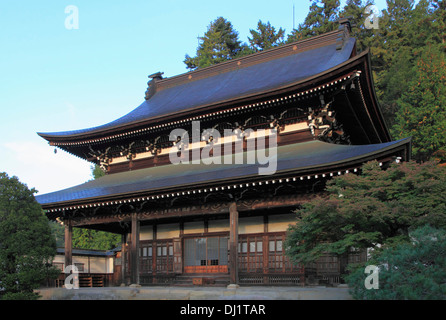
[178,251]
[68,244]
[123,257]
[233,245]
[154,253]
[134,250]
[69,270]
[265,252]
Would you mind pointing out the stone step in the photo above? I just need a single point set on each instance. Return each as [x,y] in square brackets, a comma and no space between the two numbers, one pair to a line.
[205,279]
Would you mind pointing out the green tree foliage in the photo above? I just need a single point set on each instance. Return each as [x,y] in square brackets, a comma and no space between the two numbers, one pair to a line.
[93,239]
[407,52]
[411,270]
[87,238]
[219,43]
[321,18]
[27,246]
[265,37]
[96,171]
[394,54]
[377,207]
[437,20]
[405,30]
[58,232]
[422,108]
[355,10]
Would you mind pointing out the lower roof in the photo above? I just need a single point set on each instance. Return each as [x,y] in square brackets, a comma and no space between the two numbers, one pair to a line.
[300,158]
[88,252]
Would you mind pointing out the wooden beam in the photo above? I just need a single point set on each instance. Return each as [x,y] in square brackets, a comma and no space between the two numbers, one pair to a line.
[197,210]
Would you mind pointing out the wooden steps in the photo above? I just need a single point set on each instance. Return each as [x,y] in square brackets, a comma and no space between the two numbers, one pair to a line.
[202,279]
[89,281]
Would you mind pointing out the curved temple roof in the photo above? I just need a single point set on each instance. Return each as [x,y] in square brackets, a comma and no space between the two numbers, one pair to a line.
[300,158]
[255,76]
[233,80]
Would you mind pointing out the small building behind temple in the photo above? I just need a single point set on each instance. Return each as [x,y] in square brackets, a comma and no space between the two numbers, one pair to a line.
[270,130]
[95,268]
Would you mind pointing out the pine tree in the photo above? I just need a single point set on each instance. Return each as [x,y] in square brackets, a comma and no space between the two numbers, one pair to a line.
[422,109]
[437,10]
[219,43]
[265,37]
[355,10]
[405,29]
[393,56]
[321,18]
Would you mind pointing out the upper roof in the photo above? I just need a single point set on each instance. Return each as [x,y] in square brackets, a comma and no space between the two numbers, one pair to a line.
[300,158]
[231,81]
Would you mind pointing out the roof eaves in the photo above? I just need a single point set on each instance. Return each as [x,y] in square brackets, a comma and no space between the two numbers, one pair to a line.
[309,169]
[155,121]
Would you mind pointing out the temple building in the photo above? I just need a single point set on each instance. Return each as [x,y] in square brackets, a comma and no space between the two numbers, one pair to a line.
[202,179]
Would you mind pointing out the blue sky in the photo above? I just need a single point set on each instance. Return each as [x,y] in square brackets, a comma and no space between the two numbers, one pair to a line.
[56,79]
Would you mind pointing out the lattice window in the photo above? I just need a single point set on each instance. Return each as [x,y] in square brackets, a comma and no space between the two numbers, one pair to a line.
[211,251]
[328,264]
[275,254]
[357,256]
[79,266]
[250,253]
[278,261]
[59,266]
[146,257]
[256,252]
[164,256]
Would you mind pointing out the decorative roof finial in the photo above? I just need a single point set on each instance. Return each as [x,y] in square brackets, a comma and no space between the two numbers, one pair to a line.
[345,26]
[151,89]
[157,76]
[346,22]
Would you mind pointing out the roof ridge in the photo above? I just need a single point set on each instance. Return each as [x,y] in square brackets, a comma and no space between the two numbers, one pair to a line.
[179,94]
[251,59]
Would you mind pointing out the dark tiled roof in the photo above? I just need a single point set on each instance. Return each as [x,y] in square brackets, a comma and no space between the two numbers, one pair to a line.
[241,78]
[297,158]
[87,252]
